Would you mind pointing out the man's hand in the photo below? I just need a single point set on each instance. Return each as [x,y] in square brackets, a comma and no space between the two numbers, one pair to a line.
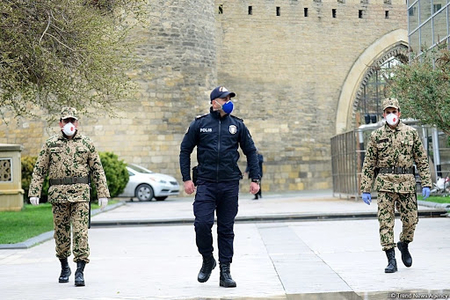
[254,187]
[34,200]
[189,187]
[102,202]
[425,192]
[367,198]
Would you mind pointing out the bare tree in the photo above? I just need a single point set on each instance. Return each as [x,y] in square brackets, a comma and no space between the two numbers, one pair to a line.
[66,52]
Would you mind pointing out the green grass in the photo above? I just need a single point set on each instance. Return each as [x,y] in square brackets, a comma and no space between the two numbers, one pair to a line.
[19,226]
[436,199]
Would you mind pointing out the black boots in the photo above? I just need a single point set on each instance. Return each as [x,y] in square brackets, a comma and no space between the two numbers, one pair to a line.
[209,263]
[406,256]
[79,276]
[392,263]
[225,276]
[65,271]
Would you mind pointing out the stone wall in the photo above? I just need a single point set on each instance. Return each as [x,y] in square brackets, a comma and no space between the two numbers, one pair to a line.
[287,71]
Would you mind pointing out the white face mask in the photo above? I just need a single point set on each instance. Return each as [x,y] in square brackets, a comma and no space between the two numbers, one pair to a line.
[392,119]
[69,129]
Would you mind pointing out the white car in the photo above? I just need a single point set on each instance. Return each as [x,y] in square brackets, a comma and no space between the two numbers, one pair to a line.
[145,184]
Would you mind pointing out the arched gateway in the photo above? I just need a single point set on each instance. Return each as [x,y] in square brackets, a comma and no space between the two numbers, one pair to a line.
[392,46]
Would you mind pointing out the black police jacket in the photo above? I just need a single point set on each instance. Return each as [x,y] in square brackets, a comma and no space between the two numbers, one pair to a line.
[217,139]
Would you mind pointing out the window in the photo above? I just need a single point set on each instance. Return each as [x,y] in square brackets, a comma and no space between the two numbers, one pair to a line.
[305,12]
[374,91]
[436,7]
[250,10]
[333,13]
[386,14]
[220,9]
[278,11]
[360,14]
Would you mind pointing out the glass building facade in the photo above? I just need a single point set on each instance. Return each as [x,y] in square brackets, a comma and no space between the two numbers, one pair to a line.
[428,23]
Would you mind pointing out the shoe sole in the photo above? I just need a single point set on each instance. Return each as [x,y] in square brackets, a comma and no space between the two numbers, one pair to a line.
[206,279]
[65,281]
[224,285]
[388,271]
[79,283]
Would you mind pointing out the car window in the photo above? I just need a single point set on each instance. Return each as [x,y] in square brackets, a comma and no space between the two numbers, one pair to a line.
[139,169]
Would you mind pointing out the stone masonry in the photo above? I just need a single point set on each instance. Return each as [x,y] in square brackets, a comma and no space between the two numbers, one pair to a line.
[286,60]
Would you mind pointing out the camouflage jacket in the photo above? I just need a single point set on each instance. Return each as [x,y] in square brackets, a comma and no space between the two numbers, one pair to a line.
[399,147]
[61,157]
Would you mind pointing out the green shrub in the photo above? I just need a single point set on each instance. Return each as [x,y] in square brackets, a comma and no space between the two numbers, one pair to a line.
[28,163]
[116,174]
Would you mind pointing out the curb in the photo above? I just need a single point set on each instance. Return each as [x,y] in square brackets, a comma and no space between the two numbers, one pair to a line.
[438,212]
[445,206]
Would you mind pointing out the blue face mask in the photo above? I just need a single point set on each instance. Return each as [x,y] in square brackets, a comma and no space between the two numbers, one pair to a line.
[227,107]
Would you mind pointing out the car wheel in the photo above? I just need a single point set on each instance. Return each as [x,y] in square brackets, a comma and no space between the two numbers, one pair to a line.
[161,198]
[144,192]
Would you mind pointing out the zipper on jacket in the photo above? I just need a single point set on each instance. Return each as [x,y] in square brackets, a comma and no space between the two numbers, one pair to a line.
[218,151]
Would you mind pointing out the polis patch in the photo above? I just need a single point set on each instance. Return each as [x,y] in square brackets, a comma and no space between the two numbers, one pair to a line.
[232,129]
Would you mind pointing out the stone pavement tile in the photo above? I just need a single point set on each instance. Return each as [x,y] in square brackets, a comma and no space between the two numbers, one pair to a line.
[299,268]
[356,256]
[157,262]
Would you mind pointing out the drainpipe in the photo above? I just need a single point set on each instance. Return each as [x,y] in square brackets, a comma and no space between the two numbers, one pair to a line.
[436,156]
[361,145]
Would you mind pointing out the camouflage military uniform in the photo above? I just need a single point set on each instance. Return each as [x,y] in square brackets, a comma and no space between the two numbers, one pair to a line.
[387,148]
[63,158]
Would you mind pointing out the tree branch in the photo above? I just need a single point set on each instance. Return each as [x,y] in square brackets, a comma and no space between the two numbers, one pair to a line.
[48,25]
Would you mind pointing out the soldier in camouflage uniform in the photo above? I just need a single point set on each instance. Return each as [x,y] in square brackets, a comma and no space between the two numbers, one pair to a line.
[391,153]
[68,159]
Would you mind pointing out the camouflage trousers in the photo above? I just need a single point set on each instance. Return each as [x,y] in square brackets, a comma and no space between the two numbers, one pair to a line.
[65,216]
[406,205]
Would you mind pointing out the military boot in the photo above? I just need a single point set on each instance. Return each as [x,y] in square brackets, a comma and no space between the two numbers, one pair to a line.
[209,263]
[406,256]
[79,276]
[392,263]
[225,276]
[65,271]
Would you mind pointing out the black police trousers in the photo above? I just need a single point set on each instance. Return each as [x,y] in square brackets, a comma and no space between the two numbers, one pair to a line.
[221,197]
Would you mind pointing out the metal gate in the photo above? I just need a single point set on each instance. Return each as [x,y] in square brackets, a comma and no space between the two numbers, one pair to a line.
[346,165]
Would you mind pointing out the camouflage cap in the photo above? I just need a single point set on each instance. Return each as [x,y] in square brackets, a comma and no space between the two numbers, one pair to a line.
[390,102]
[69,112]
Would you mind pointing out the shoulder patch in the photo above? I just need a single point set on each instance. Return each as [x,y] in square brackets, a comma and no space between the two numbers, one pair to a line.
[201,116]
[237,118]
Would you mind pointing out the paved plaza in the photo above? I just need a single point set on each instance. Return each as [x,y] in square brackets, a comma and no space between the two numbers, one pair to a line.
[287,246]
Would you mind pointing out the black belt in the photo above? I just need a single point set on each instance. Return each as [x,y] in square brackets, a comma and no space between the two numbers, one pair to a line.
[69,180]
[397,170]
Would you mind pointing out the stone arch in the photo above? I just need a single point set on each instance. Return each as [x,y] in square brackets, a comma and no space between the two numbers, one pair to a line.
[394,43]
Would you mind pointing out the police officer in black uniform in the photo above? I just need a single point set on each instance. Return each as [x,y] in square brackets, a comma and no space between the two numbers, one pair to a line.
[217,136]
